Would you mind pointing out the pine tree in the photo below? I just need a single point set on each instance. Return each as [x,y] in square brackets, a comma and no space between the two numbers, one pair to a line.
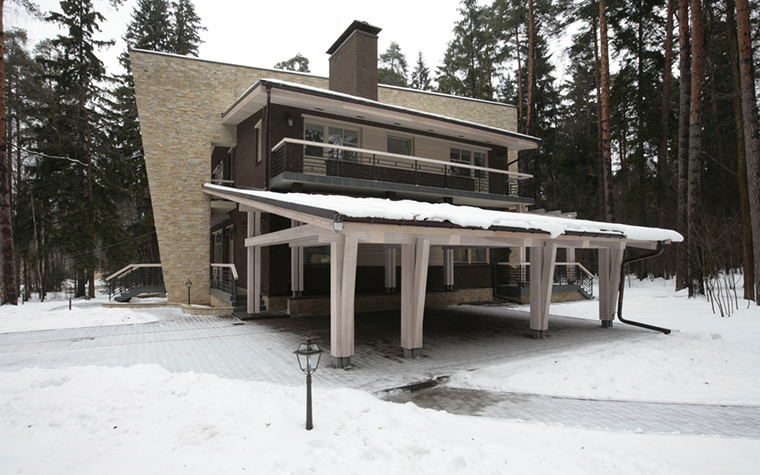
[150,26]
[71,137]
[421,75]
[392,67]
[298,63]
[470,63]
[186,29]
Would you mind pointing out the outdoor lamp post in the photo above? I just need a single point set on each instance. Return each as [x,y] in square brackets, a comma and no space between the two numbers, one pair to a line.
[308,359]
[188,284]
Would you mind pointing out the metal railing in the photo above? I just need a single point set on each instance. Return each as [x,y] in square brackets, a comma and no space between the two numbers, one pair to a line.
[313,158]
[565,273]
[224,278]
[135,276]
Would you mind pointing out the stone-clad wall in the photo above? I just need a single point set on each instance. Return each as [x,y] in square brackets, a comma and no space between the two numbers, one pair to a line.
[180,101]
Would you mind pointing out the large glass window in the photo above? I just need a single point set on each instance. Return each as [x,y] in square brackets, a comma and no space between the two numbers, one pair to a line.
[399,145]
[345,137]
[471,256]
[317,255]
[314,133]
[468,157]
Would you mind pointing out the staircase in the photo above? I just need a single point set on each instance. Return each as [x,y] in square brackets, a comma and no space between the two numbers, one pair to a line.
[512,280]
[134,280]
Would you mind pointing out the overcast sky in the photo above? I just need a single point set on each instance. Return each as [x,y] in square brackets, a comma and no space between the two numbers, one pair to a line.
[262,33]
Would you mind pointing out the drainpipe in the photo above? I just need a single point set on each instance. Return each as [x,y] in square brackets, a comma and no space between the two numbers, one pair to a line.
[268,153]
[655,253]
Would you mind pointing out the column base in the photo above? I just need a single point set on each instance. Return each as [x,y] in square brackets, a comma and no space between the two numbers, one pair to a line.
[538,334]
[606,323]
[343,362]
[411,353]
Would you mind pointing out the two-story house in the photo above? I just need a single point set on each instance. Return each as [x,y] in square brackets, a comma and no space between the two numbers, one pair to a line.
[261,180]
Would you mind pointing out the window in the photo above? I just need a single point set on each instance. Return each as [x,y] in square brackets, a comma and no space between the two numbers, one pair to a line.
[314,133]
[217,239]
[399,145]
[471,256]
[316,255]
[345,137]
[468,157]
[458,155]
[338,135]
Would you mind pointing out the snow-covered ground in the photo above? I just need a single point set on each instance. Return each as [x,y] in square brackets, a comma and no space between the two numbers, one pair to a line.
[54,313]
[144,419]
[707,359]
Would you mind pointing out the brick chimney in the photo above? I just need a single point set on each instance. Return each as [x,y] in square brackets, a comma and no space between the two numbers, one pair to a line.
[353,61]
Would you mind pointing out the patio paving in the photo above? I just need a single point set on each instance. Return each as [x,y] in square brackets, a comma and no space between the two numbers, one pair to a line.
[455,338]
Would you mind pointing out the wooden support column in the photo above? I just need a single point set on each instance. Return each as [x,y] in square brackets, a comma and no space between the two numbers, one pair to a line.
[296,266]
[542,260]
[610,261]
[414,269]
[343,255]
[253,256]
[390,270]
[448,269]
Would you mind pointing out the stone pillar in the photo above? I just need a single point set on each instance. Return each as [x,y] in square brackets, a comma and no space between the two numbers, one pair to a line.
[610,261]
[296,266]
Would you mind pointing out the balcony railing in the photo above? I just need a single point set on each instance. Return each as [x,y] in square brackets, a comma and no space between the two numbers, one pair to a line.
[313,158]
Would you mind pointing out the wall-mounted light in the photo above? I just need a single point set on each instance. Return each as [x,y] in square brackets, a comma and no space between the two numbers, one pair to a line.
[289,118]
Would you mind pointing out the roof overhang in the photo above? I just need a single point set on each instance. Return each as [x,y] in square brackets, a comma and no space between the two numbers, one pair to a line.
[375,220]
[358,108]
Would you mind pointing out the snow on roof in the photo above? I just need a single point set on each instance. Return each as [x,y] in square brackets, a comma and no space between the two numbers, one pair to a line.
[464,216]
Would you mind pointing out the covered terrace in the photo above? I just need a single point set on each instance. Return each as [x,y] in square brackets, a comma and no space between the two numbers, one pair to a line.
[344,223]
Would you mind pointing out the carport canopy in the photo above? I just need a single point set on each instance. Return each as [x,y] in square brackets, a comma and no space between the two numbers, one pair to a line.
[344,222]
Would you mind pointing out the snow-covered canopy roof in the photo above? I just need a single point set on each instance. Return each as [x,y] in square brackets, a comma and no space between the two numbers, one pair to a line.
[348,209]
[354,107]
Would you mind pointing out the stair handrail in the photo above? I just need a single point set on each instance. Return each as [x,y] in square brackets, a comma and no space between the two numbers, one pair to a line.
[129,268]
[232,268]
[515,264]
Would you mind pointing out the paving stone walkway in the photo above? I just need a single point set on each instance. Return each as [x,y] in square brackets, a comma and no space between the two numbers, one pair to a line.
[455,338]
[619,416]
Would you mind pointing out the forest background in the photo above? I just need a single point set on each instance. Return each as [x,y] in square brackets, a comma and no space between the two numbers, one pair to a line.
[653,122]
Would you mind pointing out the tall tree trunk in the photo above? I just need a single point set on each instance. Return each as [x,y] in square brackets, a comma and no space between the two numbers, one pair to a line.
[751,140]
[531,67]
[747,246]
[684,66]
[600,155]
[696,277]
[520,114]
[9,291]
[663,178]
[609,212]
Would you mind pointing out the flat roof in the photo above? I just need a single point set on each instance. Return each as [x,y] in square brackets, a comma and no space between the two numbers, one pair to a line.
[354,107]
[419,214]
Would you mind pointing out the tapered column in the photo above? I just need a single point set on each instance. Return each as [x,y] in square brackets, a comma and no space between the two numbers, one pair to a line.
[542,260]
[343,255]
[253,257]
[610,261]
[390,269]
[414,268]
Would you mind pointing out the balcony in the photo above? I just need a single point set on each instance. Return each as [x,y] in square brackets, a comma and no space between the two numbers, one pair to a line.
[329,166]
